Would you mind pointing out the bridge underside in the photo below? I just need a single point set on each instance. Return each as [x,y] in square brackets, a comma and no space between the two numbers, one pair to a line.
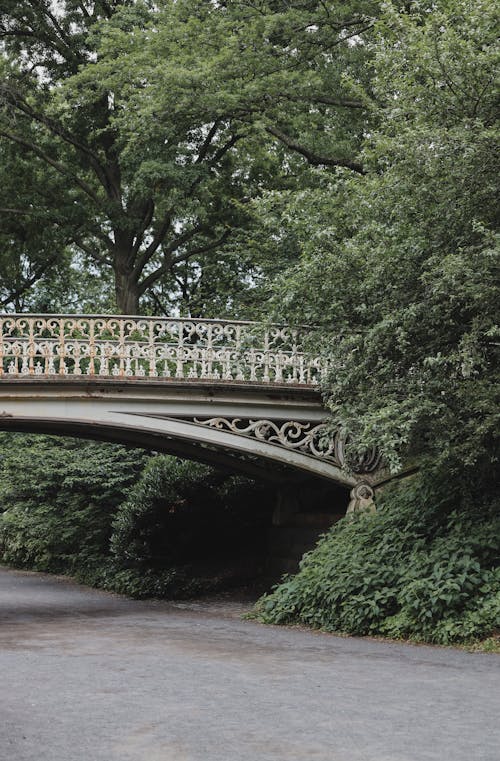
[273,433]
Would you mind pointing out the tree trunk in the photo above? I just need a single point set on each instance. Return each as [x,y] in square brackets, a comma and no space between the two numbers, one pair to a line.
[126,293]
[126,281]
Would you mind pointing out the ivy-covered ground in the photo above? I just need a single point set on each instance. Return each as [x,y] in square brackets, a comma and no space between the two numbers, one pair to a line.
[424,567]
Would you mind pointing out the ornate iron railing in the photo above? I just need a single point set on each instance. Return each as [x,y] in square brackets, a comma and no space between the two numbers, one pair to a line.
[152,347]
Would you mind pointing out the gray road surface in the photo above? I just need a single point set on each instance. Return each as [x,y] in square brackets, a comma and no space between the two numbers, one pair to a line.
[89,676]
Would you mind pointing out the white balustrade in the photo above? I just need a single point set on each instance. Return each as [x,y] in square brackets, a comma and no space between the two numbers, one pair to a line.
[152,347]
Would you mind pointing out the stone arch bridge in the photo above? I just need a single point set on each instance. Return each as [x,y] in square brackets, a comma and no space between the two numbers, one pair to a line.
[239,395]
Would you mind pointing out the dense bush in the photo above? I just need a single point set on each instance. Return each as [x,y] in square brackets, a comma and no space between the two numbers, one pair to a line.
[116,518]
[186,527]
[399,268]
[425,566]
[171,494]
[58,497]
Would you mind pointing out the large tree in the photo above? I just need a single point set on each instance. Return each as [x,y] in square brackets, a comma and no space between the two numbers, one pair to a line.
[164,119]
[403,262]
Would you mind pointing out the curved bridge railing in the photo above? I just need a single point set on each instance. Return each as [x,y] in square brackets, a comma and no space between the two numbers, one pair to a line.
[150,347]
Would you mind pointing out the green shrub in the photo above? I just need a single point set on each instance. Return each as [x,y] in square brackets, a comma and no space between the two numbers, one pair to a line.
[425,567]
[58,497]
[155,526]
[118,519]
[139,584]
[187,528]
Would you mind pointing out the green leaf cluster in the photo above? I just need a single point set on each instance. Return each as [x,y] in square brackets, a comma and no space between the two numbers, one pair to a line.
[120,519]
[400,268]
[58,497]
[157,123]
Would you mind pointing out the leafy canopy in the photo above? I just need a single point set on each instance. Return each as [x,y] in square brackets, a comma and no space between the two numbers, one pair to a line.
[164,120]
[399,268]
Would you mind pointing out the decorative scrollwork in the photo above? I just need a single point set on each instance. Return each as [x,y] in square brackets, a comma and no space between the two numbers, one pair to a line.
[364,462]
[138,347]
[315,439]
[309,438]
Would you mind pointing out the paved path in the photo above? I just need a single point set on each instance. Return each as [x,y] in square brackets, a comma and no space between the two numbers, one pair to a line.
[89,676]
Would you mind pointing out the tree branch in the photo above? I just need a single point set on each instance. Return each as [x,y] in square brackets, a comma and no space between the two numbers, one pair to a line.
[54,22]
[202,249]
[23,212]
[215,158]
[324,100]
[155,275]
[149,208]
[15,33]
[207,142]
[185,237]
[313,158]
[20,103]
[153,246]
[93,254]
[52,162]
[39,272]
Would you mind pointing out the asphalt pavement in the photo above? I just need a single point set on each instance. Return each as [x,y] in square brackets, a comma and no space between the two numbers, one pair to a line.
[90,676]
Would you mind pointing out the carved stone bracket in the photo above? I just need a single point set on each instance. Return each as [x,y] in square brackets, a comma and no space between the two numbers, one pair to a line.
[362,499]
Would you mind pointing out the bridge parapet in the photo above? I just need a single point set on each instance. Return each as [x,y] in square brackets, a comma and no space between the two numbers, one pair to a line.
[107,346]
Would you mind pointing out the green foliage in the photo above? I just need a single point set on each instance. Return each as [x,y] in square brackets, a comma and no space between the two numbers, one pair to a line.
[32,245]
[114,518]
[399,268]
[58,498]
[424,567]
[403,265]
[186,527]
[159,121]
[157,524]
